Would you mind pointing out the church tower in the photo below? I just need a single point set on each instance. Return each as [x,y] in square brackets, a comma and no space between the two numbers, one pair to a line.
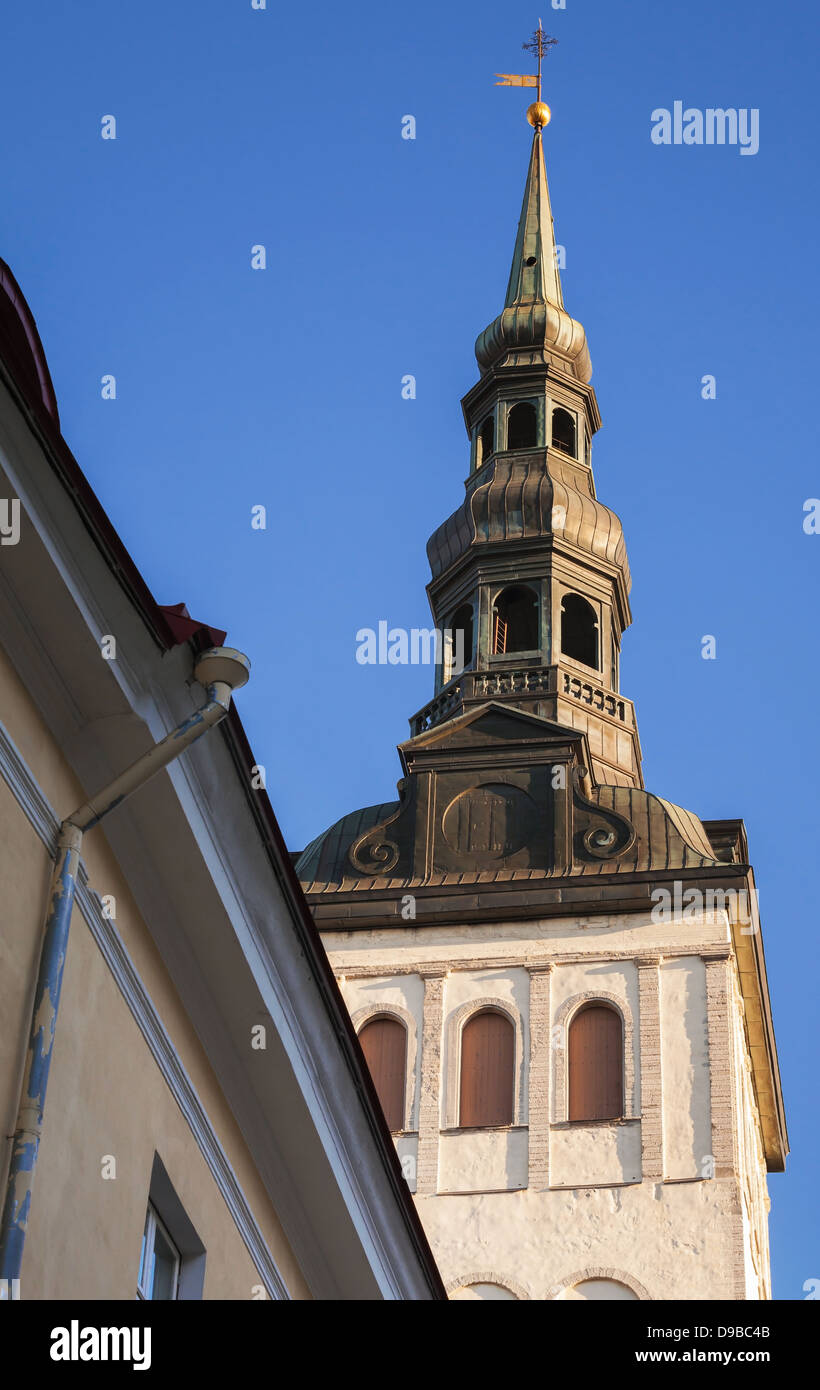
[532,568]
[557,977]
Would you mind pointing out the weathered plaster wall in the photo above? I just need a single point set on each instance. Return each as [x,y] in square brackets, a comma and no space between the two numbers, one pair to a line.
[106,1094]
[634,934]
[670,1238]
[642,1207]
[604,1152]
[687,1137]
[106,1098]
[483,1160]
[754,1196]
[407,1148]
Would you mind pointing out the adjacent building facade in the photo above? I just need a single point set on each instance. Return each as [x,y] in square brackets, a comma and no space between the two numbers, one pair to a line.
[557,976]
[209,1129]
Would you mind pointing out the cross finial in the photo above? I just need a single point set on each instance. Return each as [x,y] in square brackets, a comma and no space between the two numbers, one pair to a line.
[540,44]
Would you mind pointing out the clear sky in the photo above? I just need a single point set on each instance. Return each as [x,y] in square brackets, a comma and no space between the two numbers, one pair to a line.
[386,257]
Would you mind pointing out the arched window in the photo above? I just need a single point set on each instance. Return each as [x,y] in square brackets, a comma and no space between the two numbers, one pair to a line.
[599,1289]
[384,1044]
[522,426]
[471,1292]
[461,622]
[515,620]
[595,1060]
[563,431]
[487,1070]
[579,630]
[486,441]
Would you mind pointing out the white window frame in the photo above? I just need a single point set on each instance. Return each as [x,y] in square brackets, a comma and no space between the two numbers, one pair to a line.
[146,1273]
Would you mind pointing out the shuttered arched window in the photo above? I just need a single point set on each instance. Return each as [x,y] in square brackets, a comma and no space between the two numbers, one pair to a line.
[487,1071]
[596,1064]
[384,1043]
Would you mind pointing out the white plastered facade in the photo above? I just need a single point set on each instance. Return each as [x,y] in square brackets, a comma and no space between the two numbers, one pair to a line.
[667,1202]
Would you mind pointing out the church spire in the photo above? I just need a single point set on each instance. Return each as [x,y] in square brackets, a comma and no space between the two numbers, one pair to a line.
[534,273]
[531,570]
[534,328]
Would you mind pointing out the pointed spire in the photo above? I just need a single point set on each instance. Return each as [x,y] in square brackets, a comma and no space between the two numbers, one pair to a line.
[534,327]
[534,273]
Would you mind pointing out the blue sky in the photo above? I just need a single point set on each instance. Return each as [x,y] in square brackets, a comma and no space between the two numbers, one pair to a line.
[385,257]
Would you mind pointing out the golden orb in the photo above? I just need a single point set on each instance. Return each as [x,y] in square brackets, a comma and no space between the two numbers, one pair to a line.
[539,114]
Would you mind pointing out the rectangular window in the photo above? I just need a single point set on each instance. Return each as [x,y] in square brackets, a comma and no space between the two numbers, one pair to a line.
[159,1261]
[172,1258]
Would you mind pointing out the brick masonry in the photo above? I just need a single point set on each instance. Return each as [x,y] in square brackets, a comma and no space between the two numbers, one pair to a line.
[651,1075]
[429,1089]
[539,1081]
[725,1140]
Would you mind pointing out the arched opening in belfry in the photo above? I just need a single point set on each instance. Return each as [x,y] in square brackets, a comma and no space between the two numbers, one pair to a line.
[579,630]
[522,426]
[563,431]
[461,637]
[515,620]
[486,441]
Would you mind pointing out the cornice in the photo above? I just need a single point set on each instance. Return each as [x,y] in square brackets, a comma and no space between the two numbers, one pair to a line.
[520,961]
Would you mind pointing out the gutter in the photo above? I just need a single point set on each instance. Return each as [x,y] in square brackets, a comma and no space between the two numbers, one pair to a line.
[221,670]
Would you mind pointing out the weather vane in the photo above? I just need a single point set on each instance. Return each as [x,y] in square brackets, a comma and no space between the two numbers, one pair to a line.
[540,44]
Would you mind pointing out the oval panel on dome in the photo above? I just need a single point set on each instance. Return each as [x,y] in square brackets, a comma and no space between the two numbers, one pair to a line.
[492,820]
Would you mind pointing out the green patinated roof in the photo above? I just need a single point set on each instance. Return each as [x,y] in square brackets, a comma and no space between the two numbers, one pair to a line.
[322,858]
[667,837]
[534,320]
[535,240]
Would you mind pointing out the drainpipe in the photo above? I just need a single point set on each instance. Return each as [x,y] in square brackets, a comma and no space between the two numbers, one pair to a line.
[221,670]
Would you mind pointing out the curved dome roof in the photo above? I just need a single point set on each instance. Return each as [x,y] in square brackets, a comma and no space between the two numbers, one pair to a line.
[666,837]
[527,497]
[525,332]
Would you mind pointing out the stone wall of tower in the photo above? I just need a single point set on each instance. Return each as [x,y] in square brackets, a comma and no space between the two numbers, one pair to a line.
[754,1196]
[667,1202]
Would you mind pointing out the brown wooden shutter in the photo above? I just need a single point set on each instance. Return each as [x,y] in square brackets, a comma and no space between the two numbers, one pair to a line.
[384,1043]
[487,1071]
[596,1065]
